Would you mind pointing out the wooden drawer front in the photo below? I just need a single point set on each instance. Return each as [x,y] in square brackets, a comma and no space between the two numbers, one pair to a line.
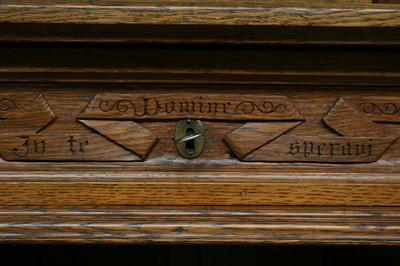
[237,129]
[81,145]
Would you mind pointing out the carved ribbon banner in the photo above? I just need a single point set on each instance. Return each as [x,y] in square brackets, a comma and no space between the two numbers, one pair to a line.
[24,115]
[116,135]
[181,106]
[63,147]
[112,115]
[359,139]
[379,109]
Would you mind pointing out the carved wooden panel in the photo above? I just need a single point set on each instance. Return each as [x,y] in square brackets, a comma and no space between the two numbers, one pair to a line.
[263,127]
[273,145]
[361,140]
[295,128]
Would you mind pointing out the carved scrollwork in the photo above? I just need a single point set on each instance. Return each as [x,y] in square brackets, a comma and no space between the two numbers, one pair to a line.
[166,106]
[248,107]
[7,105]
[387,108]
[121,106]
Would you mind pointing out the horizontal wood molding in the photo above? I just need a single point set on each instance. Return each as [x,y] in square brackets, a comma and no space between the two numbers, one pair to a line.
[313,15]
[199,34]
[191,3]
[294,225]
[199,64]
[198,193]
[51,76]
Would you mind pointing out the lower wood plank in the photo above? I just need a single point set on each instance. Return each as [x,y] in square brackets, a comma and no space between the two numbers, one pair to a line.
[199,193]
[328,225]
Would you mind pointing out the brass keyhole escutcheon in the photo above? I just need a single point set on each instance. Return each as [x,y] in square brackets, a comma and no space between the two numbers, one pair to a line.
[189,138]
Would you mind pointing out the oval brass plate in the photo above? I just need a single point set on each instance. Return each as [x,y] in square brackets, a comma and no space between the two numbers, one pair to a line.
[189,138]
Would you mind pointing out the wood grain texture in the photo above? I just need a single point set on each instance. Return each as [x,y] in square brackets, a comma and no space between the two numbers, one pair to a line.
[379,109]
[215,178]
[362,140]
[313,106]
[337,61]
[294,225]
[323,148]
[80,194]
[127,134]
[221,3]
[63,147]
[315,15]
[346,121]
[252,136]
[24,113]
[358,139]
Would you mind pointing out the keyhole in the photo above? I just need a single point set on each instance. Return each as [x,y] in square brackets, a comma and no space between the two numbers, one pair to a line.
[190,143]
[189,138]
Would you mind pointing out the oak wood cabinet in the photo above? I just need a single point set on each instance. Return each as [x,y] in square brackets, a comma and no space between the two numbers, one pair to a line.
[199,122]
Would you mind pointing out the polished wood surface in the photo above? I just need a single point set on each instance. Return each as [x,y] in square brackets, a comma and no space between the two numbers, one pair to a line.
[333,225]
[299,103]
[206,13]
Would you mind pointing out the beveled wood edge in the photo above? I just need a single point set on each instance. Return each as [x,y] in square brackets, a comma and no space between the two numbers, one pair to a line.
[313,15]
[46,75]
[212,175]
[231,224]
[204,3]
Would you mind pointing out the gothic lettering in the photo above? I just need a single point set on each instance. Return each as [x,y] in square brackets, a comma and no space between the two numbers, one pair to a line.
[78,147]
[312,148]
[28,146]
[152,107]
[20,153]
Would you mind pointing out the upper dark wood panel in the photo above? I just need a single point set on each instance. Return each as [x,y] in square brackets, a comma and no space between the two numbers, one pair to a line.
[322,22]
[199,34]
